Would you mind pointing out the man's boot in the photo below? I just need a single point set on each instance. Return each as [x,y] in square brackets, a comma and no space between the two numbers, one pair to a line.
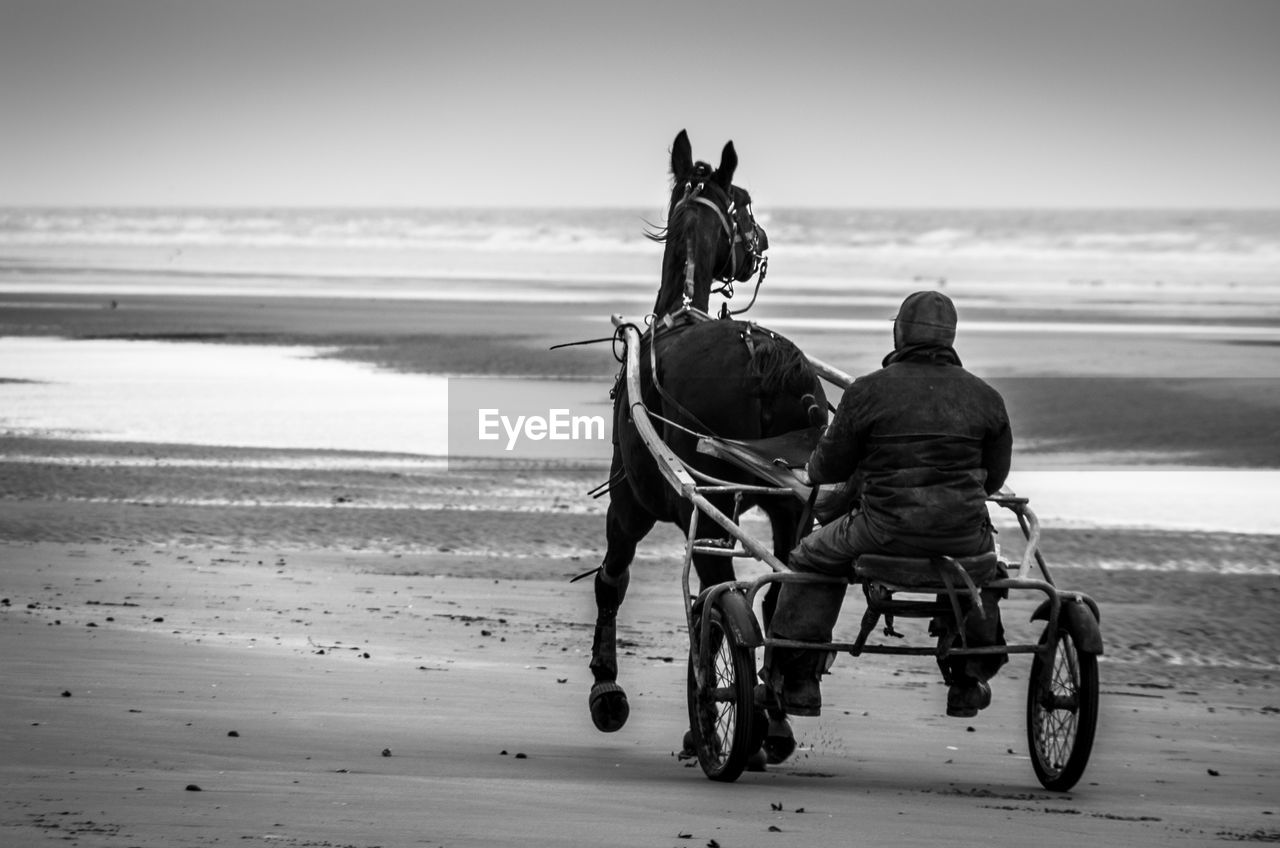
[967,689]
[792,679]
[806,612]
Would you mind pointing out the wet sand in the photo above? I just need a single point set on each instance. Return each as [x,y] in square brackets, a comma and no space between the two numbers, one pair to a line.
[1198,399]
[195,657]
[202,647]
[169,695]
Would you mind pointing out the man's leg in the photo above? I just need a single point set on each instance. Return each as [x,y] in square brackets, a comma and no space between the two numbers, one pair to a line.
[967,677]
[807,612]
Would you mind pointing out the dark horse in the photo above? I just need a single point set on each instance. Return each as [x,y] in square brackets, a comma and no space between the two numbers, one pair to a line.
[722,377]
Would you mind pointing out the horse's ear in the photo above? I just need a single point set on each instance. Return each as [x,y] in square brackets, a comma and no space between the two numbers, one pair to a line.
[681,156]
[728,164]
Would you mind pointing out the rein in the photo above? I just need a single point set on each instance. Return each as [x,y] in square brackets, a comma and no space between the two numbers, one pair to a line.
[727,291]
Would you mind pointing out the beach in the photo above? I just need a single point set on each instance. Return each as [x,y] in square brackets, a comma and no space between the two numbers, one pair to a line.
[249,596]
[187,695]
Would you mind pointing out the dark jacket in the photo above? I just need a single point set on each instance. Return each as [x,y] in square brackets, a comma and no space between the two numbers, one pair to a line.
[927,441]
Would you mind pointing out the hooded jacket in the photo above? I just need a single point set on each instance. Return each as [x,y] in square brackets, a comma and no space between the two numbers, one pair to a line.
[922,440]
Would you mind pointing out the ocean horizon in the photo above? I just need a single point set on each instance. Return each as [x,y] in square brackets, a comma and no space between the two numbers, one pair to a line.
[1175,231]
[1196,258]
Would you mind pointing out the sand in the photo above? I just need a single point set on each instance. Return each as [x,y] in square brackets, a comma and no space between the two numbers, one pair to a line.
[167,695]
[207,646]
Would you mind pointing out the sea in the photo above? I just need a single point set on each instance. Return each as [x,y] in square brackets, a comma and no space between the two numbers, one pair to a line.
[1196,271]
[1215,252]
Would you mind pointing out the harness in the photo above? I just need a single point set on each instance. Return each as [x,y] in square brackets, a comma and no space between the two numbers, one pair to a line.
[746,251]
[745,337]
[747,243]
[662,392]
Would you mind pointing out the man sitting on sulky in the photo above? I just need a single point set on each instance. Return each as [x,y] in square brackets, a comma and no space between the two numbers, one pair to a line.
[923,443]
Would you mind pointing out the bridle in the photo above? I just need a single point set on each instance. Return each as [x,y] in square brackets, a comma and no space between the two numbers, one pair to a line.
[747,241]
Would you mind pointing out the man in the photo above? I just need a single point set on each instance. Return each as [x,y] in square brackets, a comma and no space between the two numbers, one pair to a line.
[923,443]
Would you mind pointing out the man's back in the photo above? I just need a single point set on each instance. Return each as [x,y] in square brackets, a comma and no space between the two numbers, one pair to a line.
[928,442]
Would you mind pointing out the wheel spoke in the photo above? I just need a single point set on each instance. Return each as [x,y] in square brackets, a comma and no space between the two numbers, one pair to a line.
[719,700]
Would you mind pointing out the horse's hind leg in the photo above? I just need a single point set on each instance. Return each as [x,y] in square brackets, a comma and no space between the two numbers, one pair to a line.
[627,523]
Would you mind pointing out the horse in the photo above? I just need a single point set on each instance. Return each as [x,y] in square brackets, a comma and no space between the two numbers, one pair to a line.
[727,378]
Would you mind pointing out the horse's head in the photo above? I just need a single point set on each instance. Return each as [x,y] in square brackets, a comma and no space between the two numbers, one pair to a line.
[711,232]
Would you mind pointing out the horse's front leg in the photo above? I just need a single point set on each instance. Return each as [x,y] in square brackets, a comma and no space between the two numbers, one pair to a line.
[627,524]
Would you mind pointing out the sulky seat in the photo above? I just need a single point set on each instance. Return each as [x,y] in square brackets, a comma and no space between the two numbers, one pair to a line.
[956,582]
[927,573]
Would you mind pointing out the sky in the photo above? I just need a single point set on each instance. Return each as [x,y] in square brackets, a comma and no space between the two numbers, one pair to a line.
[848,103]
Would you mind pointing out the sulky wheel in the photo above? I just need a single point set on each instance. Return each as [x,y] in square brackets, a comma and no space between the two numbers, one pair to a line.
[1062,711]
[721,713]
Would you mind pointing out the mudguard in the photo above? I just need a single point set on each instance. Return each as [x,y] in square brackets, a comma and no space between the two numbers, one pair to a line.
[1080,613]
[739,618]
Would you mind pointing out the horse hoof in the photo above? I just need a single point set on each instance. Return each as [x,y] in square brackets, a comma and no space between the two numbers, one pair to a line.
[609,707]
[779,742]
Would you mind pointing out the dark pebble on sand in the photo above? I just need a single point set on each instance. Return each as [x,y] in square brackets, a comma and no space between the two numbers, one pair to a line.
[191,787]
[522,756]
[1213,772]
[66,693]
[233,733]
[386,752]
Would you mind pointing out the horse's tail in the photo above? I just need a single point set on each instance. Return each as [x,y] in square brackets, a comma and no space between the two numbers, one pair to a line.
[783,369]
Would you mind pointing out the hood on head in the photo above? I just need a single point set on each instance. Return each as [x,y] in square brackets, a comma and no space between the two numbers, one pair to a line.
[925,318]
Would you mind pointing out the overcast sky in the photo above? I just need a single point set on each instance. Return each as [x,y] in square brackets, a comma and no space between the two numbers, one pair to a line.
[572,103]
